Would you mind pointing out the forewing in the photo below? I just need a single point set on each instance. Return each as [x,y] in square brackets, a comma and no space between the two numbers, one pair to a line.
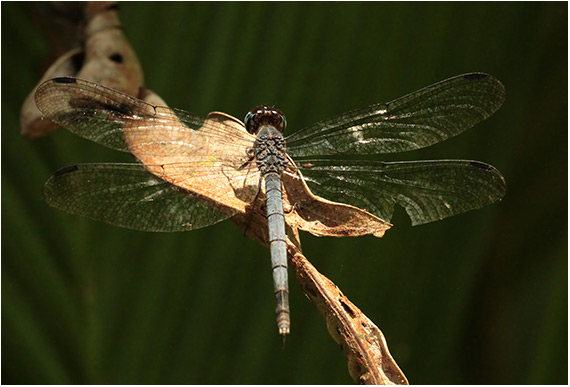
[127,195]
[427,190]
[124,123]
[417,120]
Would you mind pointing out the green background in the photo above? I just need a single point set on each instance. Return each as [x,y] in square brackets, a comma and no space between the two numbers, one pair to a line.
[478,298]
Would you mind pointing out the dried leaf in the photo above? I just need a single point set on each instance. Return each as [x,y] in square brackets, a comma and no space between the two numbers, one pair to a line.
[369,360]
[186,157]
[105,57]
[108,59]
[32,122]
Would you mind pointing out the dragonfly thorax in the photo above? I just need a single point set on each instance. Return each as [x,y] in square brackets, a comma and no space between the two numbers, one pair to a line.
[256,118]
[269,150]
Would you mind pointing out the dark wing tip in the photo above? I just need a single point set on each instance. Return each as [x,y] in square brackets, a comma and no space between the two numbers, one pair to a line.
[480,165]
[64,80]
[476,76]
[50,190]
[493,86]
[488,78]
[500,180]
[66,170]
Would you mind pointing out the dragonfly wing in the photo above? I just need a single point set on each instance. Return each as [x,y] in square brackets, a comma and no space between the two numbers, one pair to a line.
[417,120]
[124,123]
[129,196]
[204,156]
[427,190]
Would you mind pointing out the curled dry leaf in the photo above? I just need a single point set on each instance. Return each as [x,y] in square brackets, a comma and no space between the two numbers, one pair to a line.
[105,57]
[32,122]
[212,169]
[108,59]
[369,360]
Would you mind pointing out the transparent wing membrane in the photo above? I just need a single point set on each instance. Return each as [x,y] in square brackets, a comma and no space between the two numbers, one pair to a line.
[417,120]
[215,154]
[124,123]
[427,190]
[127,195]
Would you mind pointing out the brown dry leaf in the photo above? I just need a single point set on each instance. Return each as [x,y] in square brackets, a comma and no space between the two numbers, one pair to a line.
[105,57]
[108,59]
[323,217]
[369,360]
[220,172]
[32,123]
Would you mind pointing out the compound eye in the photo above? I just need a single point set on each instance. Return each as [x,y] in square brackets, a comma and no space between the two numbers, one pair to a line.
[264,115]
[248,121]
[284,120]
[252,119]
[278,119]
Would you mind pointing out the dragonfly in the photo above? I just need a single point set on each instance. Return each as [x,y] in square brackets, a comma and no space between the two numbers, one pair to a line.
[192,172]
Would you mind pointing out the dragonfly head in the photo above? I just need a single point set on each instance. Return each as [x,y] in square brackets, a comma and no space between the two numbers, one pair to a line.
[262,116]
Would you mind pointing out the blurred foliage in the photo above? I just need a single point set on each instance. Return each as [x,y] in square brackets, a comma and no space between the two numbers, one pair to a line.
[478,298]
